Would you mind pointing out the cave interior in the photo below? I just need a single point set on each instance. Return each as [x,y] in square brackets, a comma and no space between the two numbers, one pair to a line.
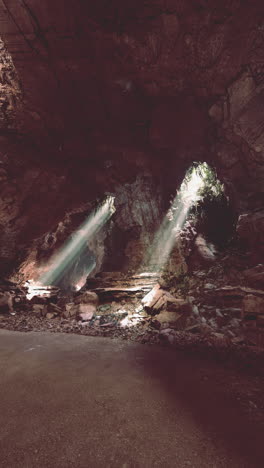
[106,111]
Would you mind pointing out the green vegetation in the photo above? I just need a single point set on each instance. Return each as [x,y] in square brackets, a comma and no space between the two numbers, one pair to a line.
[212,188]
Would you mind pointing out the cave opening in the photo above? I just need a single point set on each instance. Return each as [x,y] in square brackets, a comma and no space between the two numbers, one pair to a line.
[201,206]
[212,212]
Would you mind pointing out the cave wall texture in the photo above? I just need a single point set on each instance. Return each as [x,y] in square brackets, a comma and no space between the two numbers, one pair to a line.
[95,94]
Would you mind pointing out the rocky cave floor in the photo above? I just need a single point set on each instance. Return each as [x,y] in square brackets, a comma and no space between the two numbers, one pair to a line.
[219,309]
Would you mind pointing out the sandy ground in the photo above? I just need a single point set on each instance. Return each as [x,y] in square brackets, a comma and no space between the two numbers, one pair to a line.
[70,400]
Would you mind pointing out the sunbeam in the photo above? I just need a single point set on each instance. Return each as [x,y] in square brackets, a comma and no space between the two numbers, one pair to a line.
[65,257]
[164,241]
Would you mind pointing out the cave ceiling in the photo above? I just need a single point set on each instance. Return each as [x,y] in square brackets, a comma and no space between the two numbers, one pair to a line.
[95,93]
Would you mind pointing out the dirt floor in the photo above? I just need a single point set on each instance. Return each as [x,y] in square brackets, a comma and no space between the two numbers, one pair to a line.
[69,400]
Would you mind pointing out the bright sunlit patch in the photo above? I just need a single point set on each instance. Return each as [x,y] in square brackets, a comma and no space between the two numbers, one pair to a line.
[37,289]
[175,219]
[124,323]
[129,322]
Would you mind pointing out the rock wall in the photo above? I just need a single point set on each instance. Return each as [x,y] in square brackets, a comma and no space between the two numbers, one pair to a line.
[119,246]
[10,91]
[102,93]
[139,210]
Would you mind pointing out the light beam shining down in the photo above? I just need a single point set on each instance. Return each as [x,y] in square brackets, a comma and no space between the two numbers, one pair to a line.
[67,254]
[165,238]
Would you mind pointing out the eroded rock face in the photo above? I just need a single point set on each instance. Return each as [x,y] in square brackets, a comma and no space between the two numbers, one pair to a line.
[139,208]
[10,91]
[240,154]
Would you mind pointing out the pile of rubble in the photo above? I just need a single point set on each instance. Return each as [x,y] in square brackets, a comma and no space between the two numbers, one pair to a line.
[234,311]
[143,308]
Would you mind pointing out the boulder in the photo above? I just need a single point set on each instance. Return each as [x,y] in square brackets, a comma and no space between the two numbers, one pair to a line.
[203,254]
[86,317]
[168,317]
[83,311]
[88,297]
[154,301]
[158,299]
[174,319]
[86,311]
